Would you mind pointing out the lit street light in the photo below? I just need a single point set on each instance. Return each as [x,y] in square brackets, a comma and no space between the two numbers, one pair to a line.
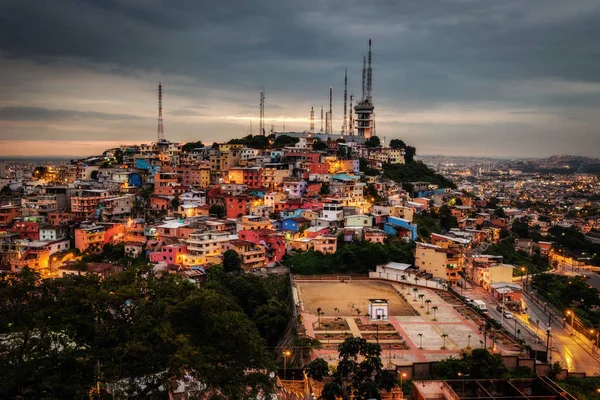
[572,314]
[286,354]
[402,375]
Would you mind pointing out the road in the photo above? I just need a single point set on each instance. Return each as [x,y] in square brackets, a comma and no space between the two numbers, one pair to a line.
[573,352]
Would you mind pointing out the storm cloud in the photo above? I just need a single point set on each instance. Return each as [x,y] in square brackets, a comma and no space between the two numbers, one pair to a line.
[450,76]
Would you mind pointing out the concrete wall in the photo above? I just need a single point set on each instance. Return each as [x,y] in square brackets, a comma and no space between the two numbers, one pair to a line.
[424,370]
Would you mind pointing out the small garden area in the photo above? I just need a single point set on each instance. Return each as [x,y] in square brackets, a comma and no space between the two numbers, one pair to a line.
[331,324]
[371,326]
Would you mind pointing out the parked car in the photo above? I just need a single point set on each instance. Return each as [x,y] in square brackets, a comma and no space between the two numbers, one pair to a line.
[499,307]
[467,300]
[508,315]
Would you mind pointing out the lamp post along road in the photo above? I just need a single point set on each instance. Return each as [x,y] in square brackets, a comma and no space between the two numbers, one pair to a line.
[286,354]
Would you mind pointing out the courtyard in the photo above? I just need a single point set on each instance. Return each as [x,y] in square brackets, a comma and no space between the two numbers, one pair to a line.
[426,325]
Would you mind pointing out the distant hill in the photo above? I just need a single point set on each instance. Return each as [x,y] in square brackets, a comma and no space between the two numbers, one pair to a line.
[415,171]
[558,164]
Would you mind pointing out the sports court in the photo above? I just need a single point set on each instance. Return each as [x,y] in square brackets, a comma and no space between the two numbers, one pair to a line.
[348,296]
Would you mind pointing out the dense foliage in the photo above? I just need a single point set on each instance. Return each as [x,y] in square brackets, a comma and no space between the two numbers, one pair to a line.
[265,300]
[409,151]
[582,388]
[351,257]
[319,145]
[574,241]
[373,141]
[142,331]
[505,248]
[571,293]
[255,142]
[364,167]
[359,373]
[191,146]
[415,172]
[478,364]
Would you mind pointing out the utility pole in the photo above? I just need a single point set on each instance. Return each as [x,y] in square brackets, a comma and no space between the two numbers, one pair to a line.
[262,112]
[160,130]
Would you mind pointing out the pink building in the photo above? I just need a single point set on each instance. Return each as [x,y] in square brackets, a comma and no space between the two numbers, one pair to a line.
[171,254]
[273,242]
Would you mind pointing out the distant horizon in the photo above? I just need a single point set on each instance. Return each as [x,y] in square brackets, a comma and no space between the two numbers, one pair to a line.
[474,78]
[74,156]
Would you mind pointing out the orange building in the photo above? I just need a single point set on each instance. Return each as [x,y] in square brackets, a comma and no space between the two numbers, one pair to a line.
[237,205]
[91,238]
[8,214]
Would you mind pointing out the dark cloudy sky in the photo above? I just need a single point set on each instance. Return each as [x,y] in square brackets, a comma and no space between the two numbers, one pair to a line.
[462,77]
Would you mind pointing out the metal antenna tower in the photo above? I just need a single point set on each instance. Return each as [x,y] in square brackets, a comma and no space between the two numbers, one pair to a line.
[369,77]
[262,112]
[330,110]
[321,118]
[364,77]
[312,119]
[350,118]
[345,124]
[161,129]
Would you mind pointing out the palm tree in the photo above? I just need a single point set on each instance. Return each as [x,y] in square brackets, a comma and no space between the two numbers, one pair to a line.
[422,297]
[319,313]
[326,325]
[358,311]
[337,313]
[416,280]
[408,288]
[420,341]
[403,278]
[444,336]
[428,302]
[434,309]
[469,341]
[415,291]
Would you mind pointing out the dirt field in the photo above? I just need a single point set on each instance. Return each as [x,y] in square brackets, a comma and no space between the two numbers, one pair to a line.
[341,295]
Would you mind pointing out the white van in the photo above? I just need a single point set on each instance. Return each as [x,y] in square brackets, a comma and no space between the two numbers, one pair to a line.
[480,304]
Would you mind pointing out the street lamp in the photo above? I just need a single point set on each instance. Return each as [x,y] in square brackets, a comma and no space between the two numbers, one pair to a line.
[523,269]
[402,375]
[286,354]
[572,314]
[461,375]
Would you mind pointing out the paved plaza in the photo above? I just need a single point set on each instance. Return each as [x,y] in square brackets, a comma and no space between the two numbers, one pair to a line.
[439,326]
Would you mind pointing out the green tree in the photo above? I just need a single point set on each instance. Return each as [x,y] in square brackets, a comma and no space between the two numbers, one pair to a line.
[145,331]
[317,369]
[217,210]
[284,140]
[372,142]
[119,156]
[189,146]
[39,172]
[175,203]
[359,374]
[479,364]
[397,144]
[231,262]
[319,145]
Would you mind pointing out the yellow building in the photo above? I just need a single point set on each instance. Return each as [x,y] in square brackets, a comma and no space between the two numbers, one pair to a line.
[325,244]
[227,147]
[441,262]
[302,244]
[498,273]
[252,223]
[252,256]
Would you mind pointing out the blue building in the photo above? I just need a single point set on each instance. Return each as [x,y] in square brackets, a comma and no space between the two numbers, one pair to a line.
[394,225]
[294,224]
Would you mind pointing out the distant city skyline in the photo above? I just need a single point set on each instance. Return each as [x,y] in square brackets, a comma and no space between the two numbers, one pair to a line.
[499,79]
